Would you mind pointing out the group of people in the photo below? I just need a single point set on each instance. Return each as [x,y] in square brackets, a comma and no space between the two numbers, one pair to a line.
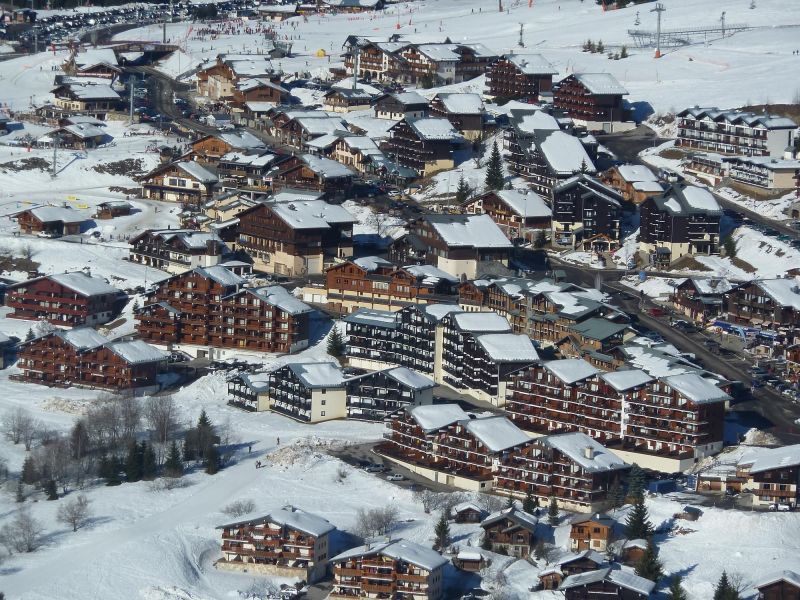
[259,463]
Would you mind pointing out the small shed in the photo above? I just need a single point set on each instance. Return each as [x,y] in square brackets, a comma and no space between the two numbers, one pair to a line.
[662,486]
[689,513]
[113,208]
[633,550]
[471,561]
[467,512]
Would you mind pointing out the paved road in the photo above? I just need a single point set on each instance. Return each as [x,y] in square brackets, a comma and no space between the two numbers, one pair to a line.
[756,217]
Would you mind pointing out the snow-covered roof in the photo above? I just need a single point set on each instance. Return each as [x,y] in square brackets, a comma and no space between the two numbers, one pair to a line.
[137,352]
[346,85]
[786,575]
[281,298]
[529,120]
[637,543]
[92,91]
[464,506]
[196,171]
[601,83]
[532,64]
[430,275]
[751,119]
[374,317]
[497,433]
[220,274]
[683,200]
[632,582]
[471,231]
[320,124]
[53,214]
[311,214]
[590,454]
[767,459]
[257,82]
[84,284]
[437,312]
[410,379]
[410,98]
[516,516]
[371,263]
[627,379]
[592,555]
[432,417]
[631,173]
[82,338]
[785,292]
[291,517]
[700,199]
[94,56]
[696,388]
[415,554]
[327,168]
[461,103]
[528,204]
[431,128]
[710,286]
[564,153]
[318,374]
[83,131]
[482,321]
[571,370]
[508,347]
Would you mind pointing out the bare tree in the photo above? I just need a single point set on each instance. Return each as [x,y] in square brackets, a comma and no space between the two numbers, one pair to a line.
[23,534]
[239,508]
[130,413]
[381,221]
[427,498]
[74,512]
[490,503]
[56,460]
[30,431]
[447,501]
[15,421]
[375,521]
[161,414]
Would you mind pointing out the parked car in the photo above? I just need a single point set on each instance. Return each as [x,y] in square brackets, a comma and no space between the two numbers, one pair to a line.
[48,234]
[374,468]
[780,507]
[396,477]
[656,311]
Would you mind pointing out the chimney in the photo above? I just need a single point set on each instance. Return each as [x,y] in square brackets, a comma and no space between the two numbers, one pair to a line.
[588,452]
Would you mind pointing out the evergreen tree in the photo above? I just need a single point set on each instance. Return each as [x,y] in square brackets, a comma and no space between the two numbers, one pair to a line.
[541,239]
[552,512]
[623,53]
[636,482]
[30,474]
[584,167]
[530,503]
[724,589]
[79,440]
[173,467]
[615,494]
[494,170]
[600,47]
[649,566]
[30,335]
[149,466]
[676,591]
[133,463]
[442,533]
[730,247]
[189,452]
[212,460]
[50,490]
[336,342]
[108,469]
[638,524]
[463,191]
[20,497]
[539,551]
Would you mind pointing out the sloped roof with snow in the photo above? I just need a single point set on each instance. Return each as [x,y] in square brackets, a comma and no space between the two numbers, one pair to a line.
[289,516]
[601,83]
[410,379]
[84,284]
[415,554]
[281,298]
[528,204]
[137,352]
[564,153]
[52,214]
[497,433]
[326,168]
[532,64]
[571,370]
[471,231]
[312,214]
[197,171]
[432,417]
[83,338]
[508,347]
[632,582]
[430,275]
[786,575]
[461,103]
[627,379]
[371,263]
[575,445]
[432,128]
[318,374]
[768,459]
[631,173]
[530,120]
[220,274]
[482,321]
[410,98]
[697,388]
[785,292]
[516,516]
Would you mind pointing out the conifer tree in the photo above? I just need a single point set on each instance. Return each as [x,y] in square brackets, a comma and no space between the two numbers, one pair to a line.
[615,494]
[494,170]
[20,495]
[212,460]
[463,191]
[636,482]
[600,47]
[336,342]
[50,490]
[638,524]
[676,591]
[133,463]
[30,474]
[149,466]
[724,589]
[552,512]
[648,565]
[530,503]
[442,533]
[173,466]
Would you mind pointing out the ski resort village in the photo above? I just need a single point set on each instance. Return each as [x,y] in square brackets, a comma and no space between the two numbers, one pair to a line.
[400,300]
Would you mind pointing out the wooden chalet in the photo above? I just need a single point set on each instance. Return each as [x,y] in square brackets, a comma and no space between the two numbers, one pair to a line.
[177,250]
[278,12]
[402,105]
[425,145]
[633,551]
[210,148]
[468,512]
[184,181]
[296,237]
[373,282]
[218,81]
[518,214]
[343,100]
[675,420]
[258,89]
[636,183]
[111,209]
[248,171]
[357,152]
[297,127]
[79,136]
[287,542]
[783,585]
[314,173]
[470,561]
[570,467]
[393,570]
[683,220]
[591,99]
[379,395]
[80,98]
[512,531]
[772,475]
[606,583]
[65,299]
[520,77]
[209,308]
[767,303]
[98,63]
[592,532]
[83,357]
[55,221]
[352,6]
[465,111]
[701,299]
[456,244]
[584,207]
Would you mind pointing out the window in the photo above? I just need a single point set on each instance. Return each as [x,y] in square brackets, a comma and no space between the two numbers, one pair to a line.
[322,413]
[322,402]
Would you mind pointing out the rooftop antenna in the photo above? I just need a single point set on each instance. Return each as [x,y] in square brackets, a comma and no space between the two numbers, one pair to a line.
[521,42]
[658,10]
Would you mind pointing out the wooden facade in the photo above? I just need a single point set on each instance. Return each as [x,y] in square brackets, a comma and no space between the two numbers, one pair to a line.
[589,98]
[520,77]
[210,307]
[512,531]
[66,299]
[184,181]
[176,250]
[591,533]
[415,145]
[519,215]
[85,358]
[784,585]
[584,207]
[51,220]
[767,303]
